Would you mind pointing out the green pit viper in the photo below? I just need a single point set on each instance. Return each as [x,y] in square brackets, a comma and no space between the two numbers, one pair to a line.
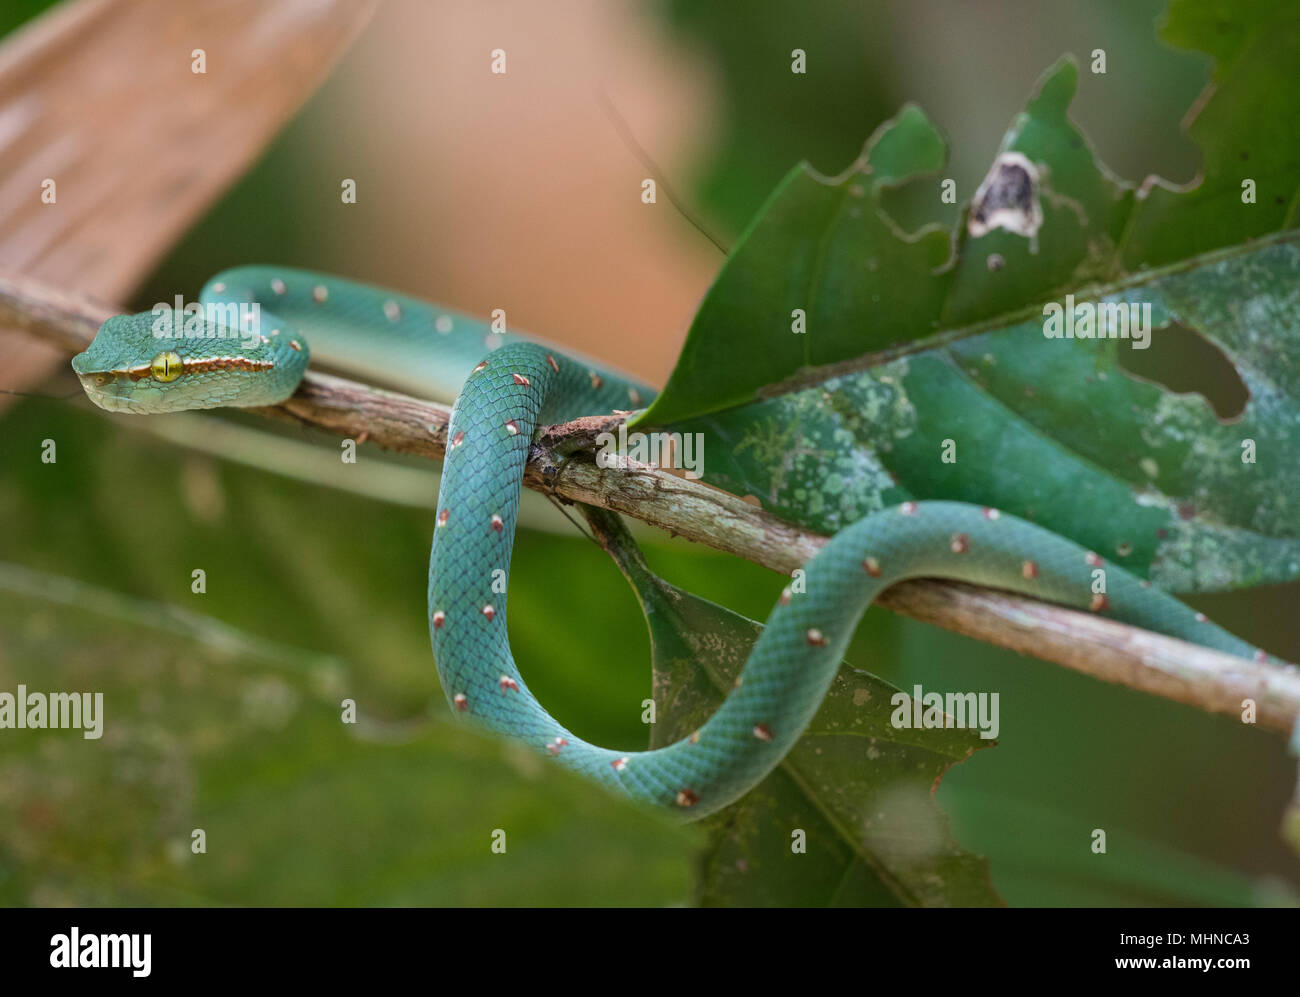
[504,388]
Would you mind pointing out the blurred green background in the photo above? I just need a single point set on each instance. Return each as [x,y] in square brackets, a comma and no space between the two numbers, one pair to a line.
[237,730]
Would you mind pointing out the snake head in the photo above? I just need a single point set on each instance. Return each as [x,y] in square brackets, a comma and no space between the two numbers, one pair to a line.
[148,363]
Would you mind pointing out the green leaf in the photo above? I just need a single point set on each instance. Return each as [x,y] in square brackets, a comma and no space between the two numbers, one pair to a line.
[204,727]
[860,789]
[827,248]
[223,709]
[1056,431]
[1246,130]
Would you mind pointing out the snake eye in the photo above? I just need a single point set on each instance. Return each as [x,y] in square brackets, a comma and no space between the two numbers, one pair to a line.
[166,367]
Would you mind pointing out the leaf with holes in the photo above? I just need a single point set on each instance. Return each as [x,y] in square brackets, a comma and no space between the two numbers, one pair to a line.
[823,275]
[848,817]
[1056,431]
[1030,371]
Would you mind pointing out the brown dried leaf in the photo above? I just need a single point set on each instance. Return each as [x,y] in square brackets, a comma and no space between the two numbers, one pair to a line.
[99,96]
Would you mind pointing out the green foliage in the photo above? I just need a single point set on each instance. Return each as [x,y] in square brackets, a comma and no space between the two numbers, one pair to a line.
[827,247]
[214,726]
[1056,431]
[237,730]
[858,790]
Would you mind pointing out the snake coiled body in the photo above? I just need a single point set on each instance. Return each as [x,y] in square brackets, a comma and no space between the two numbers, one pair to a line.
[510,387]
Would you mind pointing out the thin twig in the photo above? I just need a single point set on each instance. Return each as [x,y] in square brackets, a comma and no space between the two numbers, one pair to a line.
[1105,649]
[625,133]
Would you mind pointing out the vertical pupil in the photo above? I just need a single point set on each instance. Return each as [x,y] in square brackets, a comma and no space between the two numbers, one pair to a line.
[167,367]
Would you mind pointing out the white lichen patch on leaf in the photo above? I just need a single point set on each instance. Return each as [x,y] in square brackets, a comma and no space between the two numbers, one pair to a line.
[819,448]
[1176,419]
[1196,556]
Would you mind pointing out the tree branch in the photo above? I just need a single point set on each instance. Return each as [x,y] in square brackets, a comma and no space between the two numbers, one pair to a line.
[1103,648]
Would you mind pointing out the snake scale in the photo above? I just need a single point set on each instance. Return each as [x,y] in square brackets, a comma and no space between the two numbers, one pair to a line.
[248,346]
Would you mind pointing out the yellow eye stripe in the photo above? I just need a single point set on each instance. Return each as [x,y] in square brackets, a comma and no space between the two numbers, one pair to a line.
[166,367]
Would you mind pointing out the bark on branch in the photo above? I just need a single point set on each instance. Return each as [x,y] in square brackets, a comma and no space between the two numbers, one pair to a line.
[1107,650]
